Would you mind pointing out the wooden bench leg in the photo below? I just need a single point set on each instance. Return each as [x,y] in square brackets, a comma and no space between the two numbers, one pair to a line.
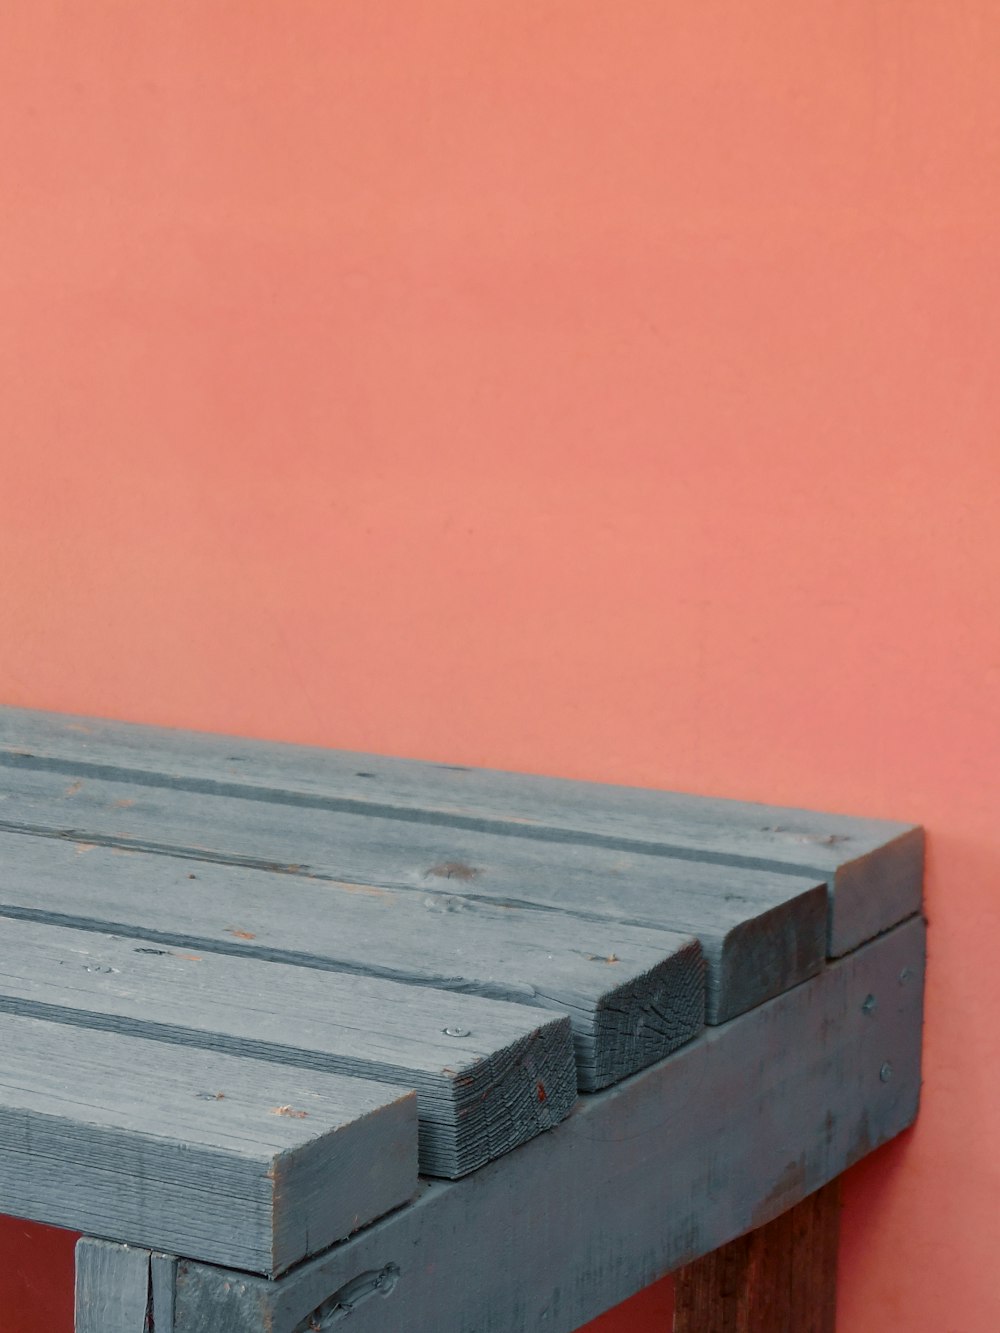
[781,1278]
[122,1289]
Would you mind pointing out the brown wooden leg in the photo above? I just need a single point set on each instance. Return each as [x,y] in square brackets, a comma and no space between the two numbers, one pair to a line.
[781,1278]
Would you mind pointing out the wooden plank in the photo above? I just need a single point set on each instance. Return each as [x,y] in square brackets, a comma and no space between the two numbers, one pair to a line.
[123,1289]
[874,867]
[488,1075]
[722,1136]
[761,932]
[112,1288]
[162,1277]
[779,1276]
[632,994]
[237,1161]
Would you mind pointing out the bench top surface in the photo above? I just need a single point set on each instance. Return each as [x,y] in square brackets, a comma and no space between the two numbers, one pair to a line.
[292,984]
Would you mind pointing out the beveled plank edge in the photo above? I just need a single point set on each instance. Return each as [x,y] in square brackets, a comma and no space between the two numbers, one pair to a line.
[672,1159]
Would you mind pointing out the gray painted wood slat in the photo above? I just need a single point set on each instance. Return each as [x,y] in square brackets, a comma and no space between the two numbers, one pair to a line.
[123,1289]
[632,994]
[237,1161]
[162,1278]
[488,1075]
[761,932]
[722,1136]
[874,867]
[112,1288]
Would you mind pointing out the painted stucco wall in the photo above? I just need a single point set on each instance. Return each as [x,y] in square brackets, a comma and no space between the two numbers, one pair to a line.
[600,389]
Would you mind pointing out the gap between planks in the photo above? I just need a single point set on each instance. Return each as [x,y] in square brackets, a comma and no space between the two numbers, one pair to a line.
[761,933]
[873,867]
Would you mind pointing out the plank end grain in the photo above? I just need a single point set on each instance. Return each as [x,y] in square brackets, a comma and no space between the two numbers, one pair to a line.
[506,1098]
[642,1020]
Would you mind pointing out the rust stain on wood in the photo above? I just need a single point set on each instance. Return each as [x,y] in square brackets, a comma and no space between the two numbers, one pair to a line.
[289,1111]
[73,788]
[240,934]
[454,870]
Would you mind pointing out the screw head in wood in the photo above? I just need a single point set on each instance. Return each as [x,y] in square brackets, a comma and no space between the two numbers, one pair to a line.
[456,1032]
[885,1073]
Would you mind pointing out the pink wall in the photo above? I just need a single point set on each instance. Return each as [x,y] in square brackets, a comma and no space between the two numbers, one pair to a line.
[603,389]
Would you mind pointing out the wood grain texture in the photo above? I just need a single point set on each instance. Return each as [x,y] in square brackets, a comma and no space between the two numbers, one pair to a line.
[779,1276]
[761,932]
[874,867]
[632,994]
[112,1288]
[723,1136]
[123,1288]
[162,1277]
[242,1162]
[488,1075]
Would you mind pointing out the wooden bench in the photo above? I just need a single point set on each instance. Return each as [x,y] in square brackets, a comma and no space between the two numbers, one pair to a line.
[295,1036]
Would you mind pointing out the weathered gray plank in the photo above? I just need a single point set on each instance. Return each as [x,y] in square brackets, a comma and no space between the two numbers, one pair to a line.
[761,932]
[722,1136]
[162,1276]
[874,867]
[123,1288]
[237,1161]
[633,994]
[488,1074]
[112,1288]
